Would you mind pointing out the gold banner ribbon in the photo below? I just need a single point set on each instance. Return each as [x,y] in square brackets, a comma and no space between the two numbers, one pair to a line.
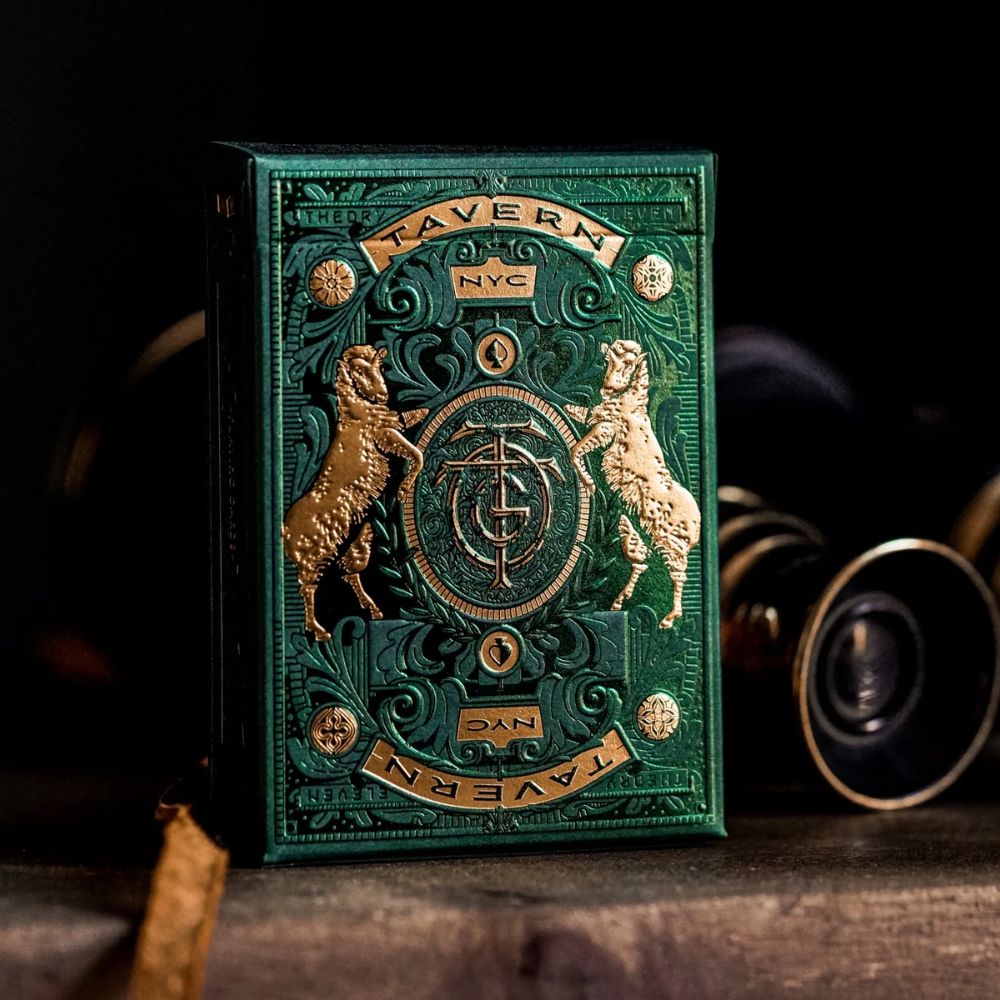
[461,791]
[583,232]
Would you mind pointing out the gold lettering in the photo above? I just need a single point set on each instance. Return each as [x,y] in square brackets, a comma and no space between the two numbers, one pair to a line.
[449,789]
[559,221]
[394,769]
[550,216]
[432,222]
[466,216]
[528,785]
[493,280]
[225,206]
[394,235]
[408,776]
[582,230]
[566,778]
[488,793]
[601,765]
[507,210]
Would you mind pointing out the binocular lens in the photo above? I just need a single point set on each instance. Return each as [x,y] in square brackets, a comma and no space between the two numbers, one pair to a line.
[897,674]
[872,663]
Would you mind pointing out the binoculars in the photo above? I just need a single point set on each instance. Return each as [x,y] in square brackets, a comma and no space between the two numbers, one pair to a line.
[872,667]
[880,669]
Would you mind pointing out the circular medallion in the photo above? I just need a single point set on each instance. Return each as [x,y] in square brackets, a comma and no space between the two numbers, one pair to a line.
[333,730]
[332,282]
[496,353]
[652,277]
[497,515]
[499,651]
[658,716]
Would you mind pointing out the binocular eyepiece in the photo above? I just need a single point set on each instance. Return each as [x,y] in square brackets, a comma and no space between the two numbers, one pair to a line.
[883,670]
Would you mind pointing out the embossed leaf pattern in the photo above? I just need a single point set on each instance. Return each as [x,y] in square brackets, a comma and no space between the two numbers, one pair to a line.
[579,706]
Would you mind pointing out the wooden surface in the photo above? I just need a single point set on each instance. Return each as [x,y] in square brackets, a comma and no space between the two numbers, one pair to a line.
[904,904]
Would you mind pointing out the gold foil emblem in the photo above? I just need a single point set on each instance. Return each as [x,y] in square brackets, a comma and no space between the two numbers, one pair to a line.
[318,525]
[658,716]
[635,469]
[419,780]
[499,725]
[332,282]
[496,353]
[583,232]
[499,651]
[508,534]
[493,280]
[334,730]
[652,277]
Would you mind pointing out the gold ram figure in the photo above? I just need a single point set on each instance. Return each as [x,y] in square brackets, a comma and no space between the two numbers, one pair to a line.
[354,473]
[634,468]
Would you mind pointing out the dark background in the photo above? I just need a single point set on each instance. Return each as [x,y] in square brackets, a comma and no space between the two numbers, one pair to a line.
[852,200]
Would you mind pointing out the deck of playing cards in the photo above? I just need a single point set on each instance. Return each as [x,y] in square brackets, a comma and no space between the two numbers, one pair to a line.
[463,499]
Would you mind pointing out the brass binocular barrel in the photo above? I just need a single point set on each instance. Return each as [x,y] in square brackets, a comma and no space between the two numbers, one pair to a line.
[976,533]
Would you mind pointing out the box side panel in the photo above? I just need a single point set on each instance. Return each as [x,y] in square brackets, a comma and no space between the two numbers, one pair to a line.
[236,774]
[713,653]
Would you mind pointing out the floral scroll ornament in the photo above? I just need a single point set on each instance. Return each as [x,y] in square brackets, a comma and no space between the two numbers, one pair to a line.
[332,282]
[652,277]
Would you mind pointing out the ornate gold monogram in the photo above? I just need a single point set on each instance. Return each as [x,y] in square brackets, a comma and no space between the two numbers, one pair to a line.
[334,730]
[504,521]
[498,500]
[658,716]
[652,277]
[332,282]
[635,469]
[354,472]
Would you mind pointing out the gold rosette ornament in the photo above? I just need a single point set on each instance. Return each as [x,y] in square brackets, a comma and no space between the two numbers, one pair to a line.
[658,716]
[334,730]
[652,277]
[332,282]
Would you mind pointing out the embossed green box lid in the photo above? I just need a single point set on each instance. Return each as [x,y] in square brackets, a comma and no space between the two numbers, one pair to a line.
[463,499]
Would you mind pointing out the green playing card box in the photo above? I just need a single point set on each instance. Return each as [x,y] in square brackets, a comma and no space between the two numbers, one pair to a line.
[463,510]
